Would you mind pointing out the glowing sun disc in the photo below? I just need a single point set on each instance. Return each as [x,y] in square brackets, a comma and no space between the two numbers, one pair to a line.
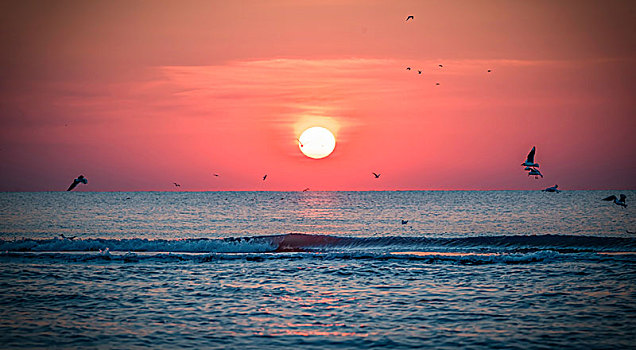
[316,142]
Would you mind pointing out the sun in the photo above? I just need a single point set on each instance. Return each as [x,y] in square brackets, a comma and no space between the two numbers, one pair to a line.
[316,142]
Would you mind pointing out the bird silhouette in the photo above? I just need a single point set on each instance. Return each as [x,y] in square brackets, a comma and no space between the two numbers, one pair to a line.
[306,189]
[176,184]
[404,222]
[530,160]
[536,173]
[408,68]
[419,72]
[409,17]
[552,189]
[80,179]
[376,175]
[436,84]
[621,202]
[264,177]
[441,66]
[69,238]
[215,174]
[489,71]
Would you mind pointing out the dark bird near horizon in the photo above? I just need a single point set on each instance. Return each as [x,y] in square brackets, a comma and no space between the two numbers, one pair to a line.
[621,202]
[376,175]
[176,184]
[552,189]
[441,66]
[215,174]
[630,232]
[409,17]
[80,179]
[404,222]
[264,177]
[436,83]
[419,72]
[306,189]
[69,238]
[530,159]
[408,68]
[489,71]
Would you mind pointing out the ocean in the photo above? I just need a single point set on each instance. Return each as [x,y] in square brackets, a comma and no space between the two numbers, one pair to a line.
[317,270]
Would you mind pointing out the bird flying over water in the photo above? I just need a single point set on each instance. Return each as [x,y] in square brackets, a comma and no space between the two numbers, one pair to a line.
[215,174]
[535,172]
[408,68]
[264,177]
[441,66]
[621,202]
[69,238]
[419,72]
[80,179]
[530,160]
[489,70]
[404,222]
[306,189]
[552,189]
[376,175]
[176,184]
[409,17]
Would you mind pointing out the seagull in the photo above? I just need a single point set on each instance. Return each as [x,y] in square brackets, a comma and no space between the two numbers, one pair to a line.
[376,175]
[80,179]
[408,68]
[617,201]
[419,72]
[264,177]
[535,172]
[306,189]
[436,83]
[404,222]
[530,161]
[409,17]
[69,238]
[552,189]
[441,66]
[215,174]
[176,184]
[628,231]
[489,70]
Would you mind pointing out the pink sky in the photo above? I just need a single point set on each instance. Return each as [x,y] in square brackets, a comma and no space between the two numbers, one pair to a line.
[136,95]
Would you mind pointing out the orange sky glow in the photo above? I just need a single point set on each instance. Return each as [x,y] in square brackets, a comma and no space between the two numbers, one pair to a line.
[137,95]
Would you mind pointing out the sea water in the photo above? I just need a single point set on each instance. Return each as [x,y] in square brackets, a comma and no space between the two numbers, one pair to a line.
[317,270]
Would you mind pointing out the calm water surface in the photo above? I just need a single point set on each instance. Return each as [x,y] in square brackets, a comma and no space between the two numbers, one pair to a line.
[323,270]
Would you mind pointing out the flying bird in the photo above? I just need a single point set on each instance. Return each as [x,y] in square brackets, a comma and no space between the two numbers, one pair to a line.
[409,17]
[441,66]
[69,238]
[408,68]
[306,189]
[530,160]
[404,222]
[215,174]
[376,175]
[552,189]
[264,177]
[617,201]
[536,173]
[419,72]
[300,143]
[176,184]
[489,71]
[80,179]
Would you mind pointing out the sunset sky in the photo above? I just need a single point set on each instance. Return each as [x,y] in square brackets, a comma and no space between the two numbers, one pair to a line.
[136,95]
